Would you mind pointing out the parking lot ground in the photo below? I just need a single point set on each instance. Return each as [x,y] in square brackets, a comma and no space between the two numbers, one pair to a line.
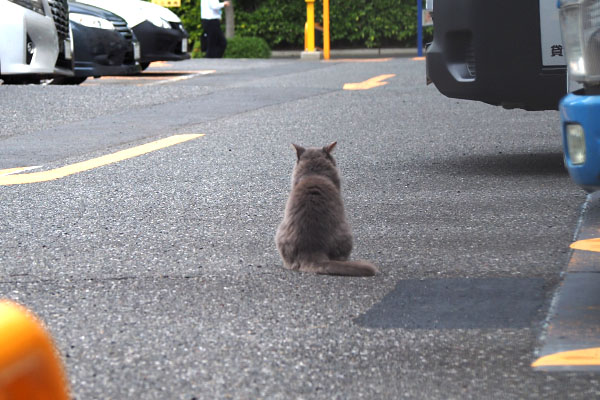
[158,276]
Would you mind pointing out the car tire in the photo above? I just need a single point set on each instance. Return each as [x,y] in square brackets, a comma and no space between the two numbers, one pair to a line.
[19,80]
[68,80]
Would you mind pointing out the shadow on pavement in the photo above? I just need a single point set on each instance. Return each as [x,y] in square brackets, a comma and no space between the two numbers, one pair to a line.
[458,303]
[530,164]
[163,74]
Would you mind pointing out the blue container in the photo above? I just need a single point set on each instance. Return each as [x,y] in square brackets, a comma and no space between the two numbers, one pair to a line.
[583,110]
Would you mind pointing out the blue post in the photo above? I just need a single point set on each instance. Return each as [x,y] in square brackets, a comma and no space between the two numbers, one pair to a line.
[420,28]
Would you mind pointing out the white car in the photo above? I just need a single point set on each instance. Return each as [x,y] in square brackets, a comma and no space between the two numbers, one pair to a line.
[158,29]
[35,41]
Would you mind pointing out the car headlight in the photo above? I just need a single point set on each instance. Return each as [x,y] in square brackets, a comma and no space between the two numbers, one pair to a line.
[575,143]
[580,27]
[91,21]
[158,21]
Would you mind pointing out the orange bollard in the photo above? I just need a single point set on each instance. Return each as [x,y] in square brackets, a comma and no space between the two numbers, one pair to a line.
[326,47]
[30,367]
[309,28]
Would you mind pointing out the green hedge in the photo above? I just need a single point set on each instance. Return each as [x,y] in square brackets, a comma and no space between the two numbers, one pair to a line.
[247,47]
[189,12]
[356,23]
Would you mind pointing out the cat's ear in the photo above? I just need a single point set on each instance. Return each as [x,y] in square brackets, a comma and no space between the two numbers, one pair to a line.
[329,148]
[299,150]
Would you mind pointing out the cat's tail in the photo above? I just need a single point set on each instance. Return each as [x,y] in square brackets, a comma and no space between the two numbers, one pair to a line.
[346,268]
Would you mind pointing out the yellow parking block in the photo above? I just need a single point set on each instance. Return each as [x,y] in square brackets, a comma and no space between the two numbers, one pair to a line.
[587,244]
[581,357]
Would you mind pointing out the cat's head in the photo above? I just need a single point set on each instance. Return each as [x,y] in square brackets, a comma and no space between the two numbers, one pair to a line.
[314,153]
[315,160]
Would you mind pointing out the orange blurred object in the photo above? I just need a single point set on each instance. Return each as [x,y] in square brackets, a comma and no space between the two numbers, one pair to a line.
[30,367]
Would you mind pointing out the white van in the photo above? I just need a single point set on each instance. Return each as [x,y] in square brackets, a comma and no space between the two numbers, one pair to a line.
[158,29]
[35,41]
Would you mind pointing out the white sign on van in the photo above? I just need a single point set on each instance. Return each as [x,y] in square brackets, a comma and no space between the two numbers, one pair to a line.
[553,53]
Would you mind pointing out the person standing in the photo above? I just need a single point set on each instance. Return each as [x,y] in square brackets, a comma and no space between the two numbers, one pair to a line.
[210,13]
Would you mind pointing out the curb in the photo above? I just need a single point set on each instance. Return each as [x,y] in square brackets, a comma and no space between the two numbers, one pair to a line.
[353,53]
[572,342]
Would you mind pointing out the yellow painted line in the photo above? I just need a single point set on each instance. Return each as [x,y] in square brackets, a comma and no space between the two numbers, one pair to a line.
[154,77]
[181,78]
[44,176]
[160,64]
[11,171]
[369,83]
[418,58]
[570,358]
[588,245]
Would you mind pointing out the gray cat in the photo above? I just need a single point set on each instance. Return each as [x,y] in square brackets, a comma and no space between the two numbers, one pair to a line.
[314,235]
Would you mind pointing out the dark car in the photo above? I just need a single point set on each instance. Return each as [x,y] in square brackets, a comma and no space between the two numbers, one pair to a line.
[501,52]
[159,31]
[160,44]
[103,44]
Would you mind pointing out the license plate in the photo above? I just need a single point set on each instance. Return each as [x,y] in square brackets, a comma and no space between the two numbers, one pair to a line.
[551,41]
[67,46]
[137,54]
[184,46]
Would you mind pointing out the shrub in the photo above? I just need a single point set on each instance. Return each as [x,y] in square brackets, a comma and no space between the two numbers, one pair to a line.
[189,12]
[280,23]
[196,51]
[247,47]
[356,23]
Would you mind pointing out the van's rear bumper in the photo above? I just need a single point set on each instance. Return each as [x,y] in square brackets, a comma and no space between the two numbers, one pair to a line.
[490,51]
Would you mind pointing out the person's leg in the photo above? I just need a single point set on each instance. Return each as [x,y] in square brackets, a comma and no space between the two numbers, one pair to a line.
[204,37]
[211,27]
[222,41]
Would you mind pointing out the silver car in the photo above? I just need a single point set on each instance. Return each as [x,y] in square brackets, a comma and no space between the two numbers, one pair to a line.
[36,41]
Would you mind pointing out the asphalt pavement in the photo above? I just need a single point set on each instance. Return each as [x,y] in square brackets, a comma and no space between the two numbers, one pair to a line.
[158,275]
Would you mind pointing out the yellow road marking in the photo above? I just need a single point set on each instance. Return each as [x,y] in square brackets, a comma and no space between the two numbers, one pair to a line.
[182,77]
[369,83]
[35,177]
[160,64]
[588,244]
[418,58]
[156,75]
[570,358]
[159,77]
[10,171]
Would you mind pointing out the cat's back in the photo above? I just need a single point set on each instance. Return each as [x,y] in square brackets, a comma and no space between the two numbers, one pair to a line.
[315,196]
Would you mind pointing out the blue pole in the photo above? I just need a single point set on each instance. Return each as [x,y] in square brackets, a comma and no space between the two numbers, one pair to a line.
[419,28]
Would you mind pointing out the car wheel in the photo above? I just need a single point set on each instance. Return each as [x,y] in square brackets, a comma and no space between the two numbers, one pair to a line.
[144,65]
[20,80]
[67,80]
